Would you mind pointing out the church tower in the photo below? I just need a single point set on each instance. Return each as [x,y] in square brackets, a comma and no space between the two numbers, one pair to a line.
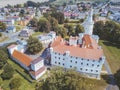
[88,24]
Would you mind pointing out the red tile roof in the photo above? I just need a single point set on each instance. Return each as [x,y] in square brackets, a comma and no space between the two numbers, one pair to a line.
[89,42]
[77,51]
[35,73]
[24,59]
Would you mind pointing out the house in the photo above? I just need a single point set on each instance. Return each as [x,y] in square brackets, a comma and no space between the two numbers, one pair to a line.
[11,29]
[47,38]
[25,33]
[35,67]
[81,53]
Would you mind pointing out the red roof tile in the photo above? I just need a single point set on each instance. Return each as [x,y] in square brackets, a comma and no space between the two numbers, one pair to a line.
[24,59]
[77,51]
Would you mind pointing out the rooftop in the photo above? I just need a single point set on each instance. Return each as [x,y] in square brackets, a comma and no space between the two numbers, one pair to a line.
[77,51]
[21,57]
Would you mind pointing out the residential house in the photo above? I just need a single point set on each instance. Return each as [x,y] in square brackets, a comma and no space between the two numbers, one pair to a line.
[11,29]
[25,33]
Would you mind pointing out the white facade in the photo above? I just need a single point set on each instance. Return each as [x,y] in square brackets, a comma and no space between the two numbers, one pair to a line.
[92,68]
[37,66]
[38,76]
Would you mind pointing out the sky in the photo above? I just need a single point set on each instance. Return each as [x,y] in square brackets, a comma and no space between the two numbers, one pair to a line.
[13,2]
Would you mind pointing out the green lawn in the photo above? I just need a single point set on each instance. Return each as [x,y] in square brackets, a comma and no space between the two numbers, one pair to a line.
[112,53]
[37,34]
[25,84]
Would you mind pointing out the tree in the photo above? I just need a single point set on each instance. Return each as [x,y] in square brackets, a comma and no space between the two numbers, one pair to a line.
[58,16]
[34,22]
[1,81]
[53,23]
[15,83]
[43,25]
[3,58]
[79,29]
[61,31]
[99,29]
[8,72]
[70,29]
[61,79]
[2,26]
[34,45]
[109,31]
[0,34]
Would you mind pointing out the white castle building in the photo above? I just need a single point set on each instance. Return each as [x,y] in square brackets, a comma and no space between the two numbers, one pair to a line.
[82,53]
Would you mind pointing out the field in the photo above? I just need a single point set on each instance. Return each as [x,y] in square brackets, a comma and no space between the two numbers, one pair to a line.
[112,53]
[25,84]
[61,2]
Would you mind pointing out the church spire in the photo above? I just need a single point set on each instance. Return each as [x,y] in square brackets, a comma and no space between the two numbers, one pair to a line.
[88,24]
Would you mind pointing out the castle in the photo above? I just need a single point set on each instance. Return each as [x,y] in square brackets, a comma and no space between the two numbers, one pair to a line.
[81,53]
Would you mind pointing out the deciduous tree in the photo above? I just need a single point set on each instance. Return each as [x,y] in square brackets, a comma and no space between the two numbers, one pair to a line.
[34,45]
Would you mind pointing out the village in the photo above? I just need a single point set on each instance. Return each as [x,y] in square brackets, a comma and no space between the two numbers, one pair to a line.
[40,38]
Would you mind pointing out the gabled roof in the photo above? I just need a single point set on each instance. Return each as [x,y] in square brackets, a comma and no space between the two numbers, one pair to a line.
[24,59]
[37,60]
[76,51]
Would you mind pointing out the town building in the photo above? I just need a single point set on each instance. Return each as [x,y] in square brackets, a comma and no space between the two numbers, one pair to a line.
[47,38]
[81,53]
[11,29]
[25,33]
[35,67]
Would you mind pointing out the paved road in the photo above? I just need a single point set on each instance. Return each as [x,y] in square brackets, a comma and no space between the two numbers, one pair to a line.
[12,38]
[112,85]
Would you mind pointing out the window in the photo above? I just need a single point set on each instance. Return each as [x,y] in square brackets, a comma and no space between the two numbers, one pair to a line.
[75,61]
[92,64]
[59,57]
[63,64]
[99,61]
[55,57]
[55,62]
[96,70]
[93,60]
[59,63]
[80,68]
[87,64]
[88,60]
[81,58]
[63,59]
[70,66]
[98,65]
[91,70]
[81,63]
[76,58]
[70,60]
[86,69]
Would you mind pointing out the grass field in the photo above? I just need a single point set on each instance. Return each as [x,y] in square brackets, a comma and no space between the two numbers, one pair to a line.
[36,34]
[61,2]
[112,53]
[25,84]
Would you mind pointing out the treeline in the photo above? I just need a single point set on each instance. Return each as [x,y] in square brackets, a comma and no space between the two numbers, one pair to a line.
[109,31]
[60,79]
